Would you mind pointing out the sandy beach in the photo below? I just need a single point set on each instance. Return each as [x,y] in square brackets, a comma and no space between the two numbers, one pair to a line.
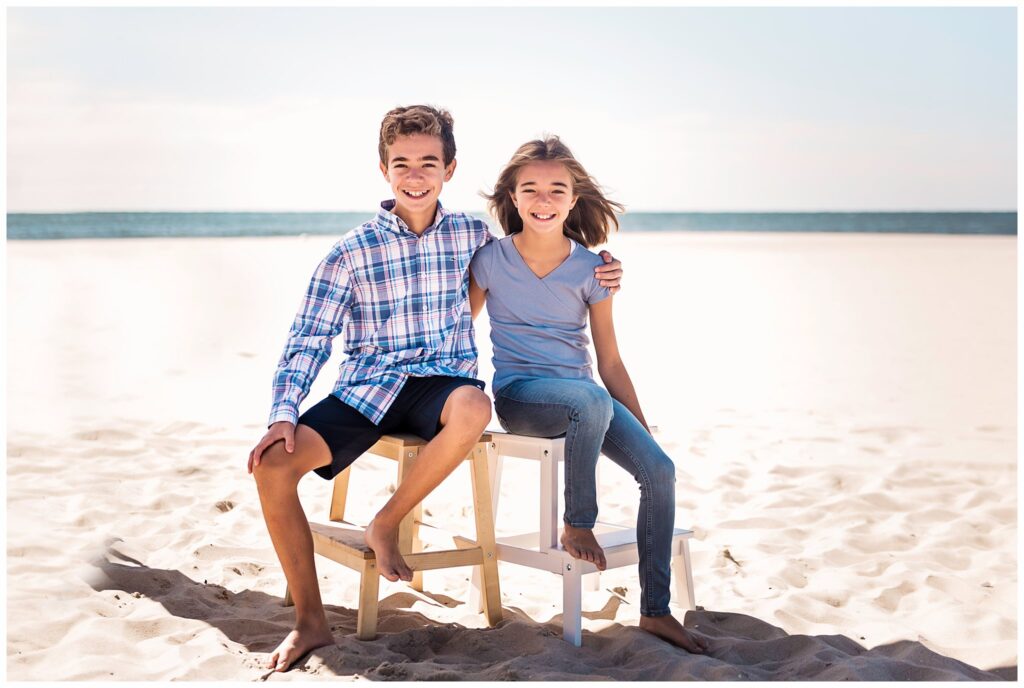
[841,410]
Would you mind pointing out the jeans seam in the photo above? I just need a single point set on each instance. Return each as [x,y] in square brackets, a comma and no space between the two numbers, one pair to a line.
[649,525]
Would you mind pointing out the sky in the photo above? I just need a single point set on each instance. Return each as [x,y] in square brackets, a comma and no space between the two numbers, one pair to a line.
[670,109]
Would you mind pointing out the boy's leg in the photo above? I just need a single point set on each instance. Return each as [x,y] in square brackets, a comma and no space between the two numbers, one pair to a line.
[581,410]
[277,479]
[630,445]
[463,411]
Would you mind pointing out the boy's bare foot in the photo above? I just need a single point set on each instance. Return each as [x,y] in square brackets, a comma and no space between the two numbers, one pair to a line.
[581,544]
[670,630]
[297,643]
[384,543]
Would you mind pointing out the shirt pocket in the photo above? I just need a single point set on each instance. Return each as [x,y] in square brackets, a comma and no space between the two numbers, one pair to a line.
[454,279]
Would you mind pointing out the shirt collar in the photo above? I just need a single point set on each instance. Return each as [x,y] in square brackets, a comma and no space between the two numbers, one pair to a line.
[387,220]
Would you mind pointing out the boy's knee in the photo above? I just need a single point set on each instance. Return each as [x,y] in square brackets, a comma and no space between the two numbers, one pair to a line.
[277,467]
[468,407]
[270,470]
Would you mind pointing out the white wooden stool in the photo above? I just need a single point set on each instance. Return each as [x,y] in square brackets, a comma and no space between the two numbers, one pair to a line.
[542,549]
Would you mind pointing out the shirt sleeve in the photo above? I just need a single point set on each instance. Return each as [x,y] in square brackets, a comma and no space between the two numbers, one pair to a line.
[593,292]
[485,236]
[481,266]
[321,317]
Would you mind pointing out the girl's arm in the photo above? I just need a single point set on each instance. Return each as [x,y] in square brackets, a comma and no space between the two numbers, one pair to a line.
[477,296]
[609,363]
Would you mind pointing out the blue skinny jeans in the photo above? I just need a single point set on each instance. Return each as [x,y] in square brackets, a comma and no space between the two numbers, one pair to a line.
[593,423]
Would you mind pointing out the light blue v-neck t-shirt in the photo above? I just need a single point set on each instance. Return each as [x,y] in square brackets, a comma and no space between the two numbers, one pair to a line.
[538,326]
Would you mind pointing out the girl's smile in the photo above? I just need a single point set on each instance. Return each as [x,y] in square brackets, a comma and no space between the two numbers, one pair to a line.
[544,196]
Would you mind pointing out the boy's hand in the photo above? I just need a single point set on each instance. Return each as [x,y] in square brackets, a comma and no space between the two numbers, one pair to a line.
[281,430]
[610,274]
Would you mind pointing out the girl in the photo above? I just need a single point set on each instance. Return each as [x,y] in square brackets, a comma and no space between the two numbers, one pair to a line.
[538,285]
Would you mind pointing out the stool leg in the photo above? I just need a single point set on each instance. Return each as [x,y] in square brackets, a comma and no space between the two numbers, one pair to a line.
[549,495]
[572,604]
[288,602]
[366,616]
[494,465]
[339,495]
[409,530]
[682,571]
[483,511]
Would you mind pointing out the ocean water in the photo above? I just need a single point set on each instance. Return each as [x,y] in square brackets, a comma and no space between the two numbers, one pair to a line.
[119,225]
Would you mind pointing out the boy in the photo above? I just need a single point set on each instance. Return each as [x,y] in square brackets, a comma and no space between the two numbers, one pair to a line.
[396,288]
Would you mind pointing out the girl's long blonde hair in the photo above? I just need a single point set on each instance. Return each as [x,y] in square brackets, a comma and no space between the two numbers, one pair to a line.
[591,219]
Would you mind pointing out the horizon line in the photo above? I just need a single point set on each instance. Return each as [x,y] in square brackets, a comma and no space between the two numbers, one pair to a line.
[484,212]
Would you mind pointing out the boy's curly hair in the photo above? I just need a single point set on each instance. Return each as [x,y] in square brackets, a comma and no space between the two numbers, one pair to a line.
[417,119]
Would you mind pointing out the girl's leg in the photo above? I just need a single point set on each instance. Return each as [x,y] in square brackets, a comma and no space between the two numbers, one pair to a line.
[580,410]
[628,444]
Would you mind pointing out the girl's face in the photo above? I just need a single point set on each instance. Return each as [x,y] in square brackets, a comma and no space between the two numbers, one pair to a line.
[543,195]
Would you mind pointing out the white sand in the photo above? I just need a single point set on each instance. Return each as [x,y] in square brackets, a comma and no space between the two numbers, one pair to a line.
[841,410]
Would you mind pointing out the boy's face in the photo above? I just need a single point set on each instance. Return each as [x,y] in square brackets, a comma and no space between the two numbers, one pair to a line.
[416,171]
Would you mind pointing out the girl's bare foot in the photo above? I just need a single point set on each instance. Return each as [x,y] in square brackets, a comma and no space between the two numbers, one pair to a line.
[384,543]
[670,630]
[581,544]
[297,643]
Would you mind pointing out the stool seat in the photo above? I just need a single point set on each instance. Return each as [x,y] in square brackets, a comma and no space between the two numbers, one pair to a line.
[346,536]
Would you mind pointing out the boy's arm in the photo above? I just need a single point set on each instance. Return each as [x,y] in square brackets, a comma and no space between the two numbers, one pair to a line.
[610,274]
[609,363]
[320,319]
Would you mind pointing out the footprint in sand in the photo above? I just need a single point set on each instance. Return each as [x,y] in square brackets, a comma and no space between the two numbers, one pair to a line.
[890,598]
[103,434]
[177,428]
[880,500]
[891,434]
[793,577]
[931,516]
[757,522]
[978,497]
[959,590]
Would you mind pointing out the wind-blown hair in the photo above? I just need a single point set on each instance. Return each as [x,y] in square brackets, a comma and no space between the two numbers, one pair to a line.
[417,119]
[591,219]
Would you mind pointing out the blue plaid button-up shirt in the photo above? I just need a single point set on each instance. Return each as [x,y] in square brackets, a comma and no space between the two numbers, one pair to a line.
[399,299]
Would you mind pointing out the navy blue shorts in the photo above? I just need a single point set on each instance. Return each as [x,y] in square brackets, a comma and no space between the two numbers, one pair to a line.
[348,433]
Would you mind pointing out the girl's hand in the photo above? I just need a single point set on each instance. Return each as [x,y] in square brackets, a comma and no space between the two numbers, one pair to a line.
[610,274]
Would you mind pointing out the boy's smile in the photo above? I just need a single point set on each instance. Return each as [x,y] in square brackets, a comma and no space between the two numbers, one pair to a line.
[416,173]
